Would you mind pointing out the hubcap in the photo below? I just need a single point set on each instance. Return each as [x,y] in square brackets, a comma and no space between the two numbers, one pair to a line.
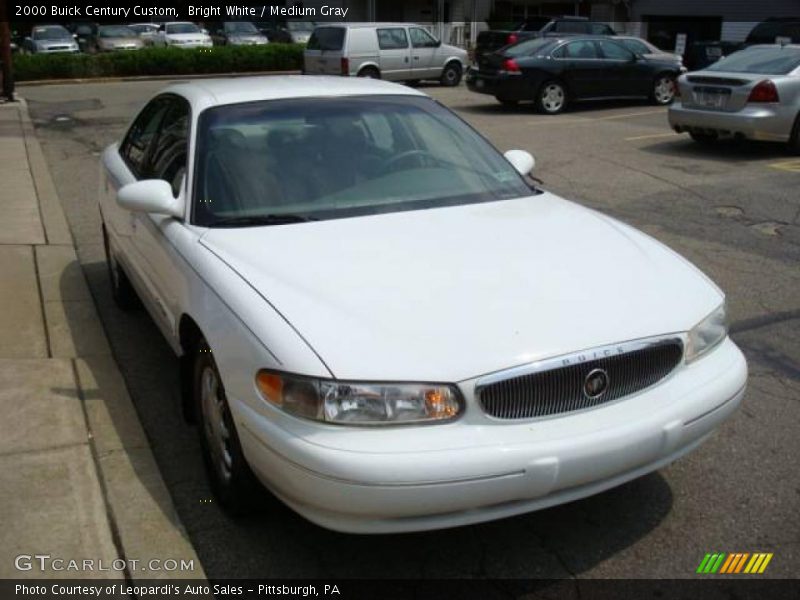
[450,74]
[217,434]
[553,98]
[665,90]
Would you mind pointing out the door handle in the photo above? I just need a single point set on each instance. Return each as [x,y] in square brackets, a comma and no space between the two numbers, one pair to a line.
[416,58]
[406,59]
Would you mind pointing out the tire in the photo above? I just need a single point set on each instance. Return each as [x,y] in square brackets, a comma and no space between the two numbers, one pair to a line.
[663,92]
[122,291]
[794,140]
[231,479]
[451,75]
[703,138]
[370,73]
[551,99]
[507,101]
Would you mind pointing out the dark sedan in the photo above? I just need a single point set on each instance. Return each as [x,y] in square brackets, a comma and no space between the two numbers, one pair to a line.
[553,72]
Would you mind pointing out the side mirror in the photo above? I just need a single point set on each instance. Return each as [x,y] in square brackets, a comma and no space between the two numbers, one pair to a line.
[151,196]
[522,161]
[438,43]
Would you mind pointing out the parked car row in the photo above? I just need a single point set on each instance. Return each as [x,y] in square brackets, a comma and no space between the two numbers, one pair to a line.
[89,37]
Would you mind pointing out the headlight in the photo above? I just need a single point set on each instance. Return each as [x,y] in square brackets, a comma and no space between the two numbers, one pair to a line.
[357,403]
[707,333]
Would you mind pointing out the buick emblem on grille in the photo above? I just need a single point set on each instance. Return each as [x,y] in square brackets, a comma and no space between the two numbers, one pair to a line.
[595,384]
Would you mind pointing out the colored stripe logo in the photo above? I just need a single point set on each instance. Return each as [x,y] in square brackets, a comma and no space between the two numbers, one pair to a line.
[734,563]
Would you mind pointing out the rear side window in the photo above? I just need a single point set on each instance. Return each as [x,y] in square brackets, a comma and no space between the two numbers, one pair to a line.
[327,39]
[140,136]
[614,51]
[572,27]
[635,46]
[392,39]
[582,49]
[600,29]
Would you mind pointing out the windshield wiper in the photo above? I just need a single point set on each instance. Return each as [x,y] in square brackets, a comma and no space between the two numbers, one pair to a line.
[260,220]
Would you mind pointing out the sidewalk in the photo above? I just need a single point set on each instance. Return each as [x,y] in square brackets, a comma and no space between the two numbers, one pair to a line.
[77,478]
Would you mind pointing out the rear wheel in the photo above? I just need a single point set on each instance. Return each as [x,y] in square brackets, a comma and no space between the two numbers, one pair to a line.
[703,138]
[663,90]
[451,76]
[232,481]
[552,98]
[369,73]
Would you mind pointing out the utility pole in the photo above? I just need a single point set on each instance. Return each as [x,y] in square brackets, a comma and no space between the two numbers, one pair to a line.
[5,53]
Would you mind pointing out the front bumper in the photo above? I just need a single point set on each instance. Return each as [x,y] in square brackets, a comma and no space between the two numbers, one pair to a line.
[771,123]
[368,480]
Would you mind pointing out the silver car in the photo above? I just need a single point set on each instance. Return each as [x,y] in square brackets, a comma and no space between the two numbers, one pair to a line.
[752,94]
[117,37]
[49,39]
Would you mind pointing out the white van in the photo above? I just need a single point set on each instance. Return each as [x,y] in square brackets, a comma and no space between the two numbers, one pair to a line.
[393,51]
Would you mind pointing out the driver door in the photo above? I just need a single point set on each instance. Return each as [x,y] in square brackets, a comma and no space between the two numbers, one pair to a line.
[424,51]
[152,232]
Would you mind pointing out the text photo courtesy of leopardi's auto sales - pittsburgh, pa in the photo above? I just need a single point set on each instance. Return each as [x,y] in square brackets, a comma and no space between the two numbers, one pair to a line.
[491,299]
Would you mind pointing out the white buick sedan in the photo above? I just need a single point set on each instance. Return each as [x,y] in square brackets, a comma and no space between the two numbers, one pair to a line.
[386,324]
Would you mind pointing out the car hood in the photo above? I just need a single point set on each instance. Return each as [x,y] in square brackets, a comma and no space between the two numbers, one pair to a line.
[448,294]
[117,41]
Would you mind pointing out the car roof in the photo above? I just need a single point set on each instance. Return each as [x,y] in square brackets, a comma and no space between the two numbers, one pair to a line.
[204,93]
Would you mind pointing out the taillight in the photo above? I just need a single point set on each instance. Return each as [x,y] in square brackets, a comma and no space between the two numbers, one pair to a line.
[511,66]
[345,66]
[512,38]
[765,91]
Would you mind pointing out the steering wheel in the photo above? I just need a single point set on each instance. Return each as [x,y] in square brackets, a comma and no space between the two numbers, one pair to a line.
[419,154]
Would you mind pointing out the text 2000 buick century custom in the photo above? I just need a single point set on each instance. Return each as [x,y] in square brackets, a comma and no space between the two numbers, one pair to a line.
[386,324]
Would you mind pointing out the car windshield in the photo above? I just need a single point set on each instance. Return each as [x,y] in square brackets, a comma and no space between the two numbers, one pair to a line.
[182,28]
[300,26]
[528,47]
[240,27]
[765,61]
[116,31]
[326,158]
[51,33]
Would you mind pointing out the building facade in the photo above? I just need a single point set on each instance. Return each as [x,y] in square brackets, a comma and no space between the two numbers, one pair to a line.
[661,21]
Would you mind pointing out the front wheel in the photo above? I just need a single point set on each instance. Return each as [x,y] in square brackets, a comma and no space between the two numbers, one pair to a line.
[663,90]
[369,73]
[232,481]
[552,98]
[451,76]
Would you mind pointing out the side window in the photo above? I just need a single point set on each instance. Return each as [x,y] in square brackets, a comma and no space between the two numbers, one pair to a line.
[140,136]
[169,152]
[600,29]
[583,49]
[614,51]
[392,39]
[571,27]
[421,38]
[636,46]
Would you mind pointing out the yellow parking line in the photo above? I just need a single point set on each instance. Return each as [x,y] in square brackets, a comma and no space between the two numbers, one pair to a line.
[787,165]
[651,136]
[557,121]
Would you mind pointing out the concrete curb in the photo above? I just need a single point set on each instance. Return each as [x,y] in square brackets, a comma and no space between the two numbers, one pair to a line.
[144,523]
[40,82]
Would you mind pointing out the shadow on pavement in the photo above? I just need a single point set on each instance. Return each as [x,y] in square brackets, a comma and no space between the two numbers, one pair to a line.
[550,544]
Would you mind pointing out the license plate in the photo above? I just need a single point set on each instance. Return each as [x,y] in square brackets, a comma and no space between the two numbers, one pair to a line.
[714,100]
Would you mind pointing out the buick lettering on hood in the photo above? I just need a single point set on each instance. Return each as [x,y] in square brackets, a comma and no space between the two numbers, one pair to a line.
[382,320]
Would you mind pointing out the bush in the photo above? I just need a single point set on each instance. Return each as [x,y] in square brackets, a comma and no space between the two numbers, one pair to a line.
[159,61]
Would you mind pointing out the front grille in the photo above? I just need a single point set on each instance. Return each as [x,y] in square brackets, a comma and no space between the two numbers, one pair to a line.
[561,389]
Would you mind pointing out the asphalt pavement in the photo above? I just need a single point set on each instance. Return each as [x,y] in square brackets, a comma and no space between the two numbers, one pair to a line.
[732,209]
